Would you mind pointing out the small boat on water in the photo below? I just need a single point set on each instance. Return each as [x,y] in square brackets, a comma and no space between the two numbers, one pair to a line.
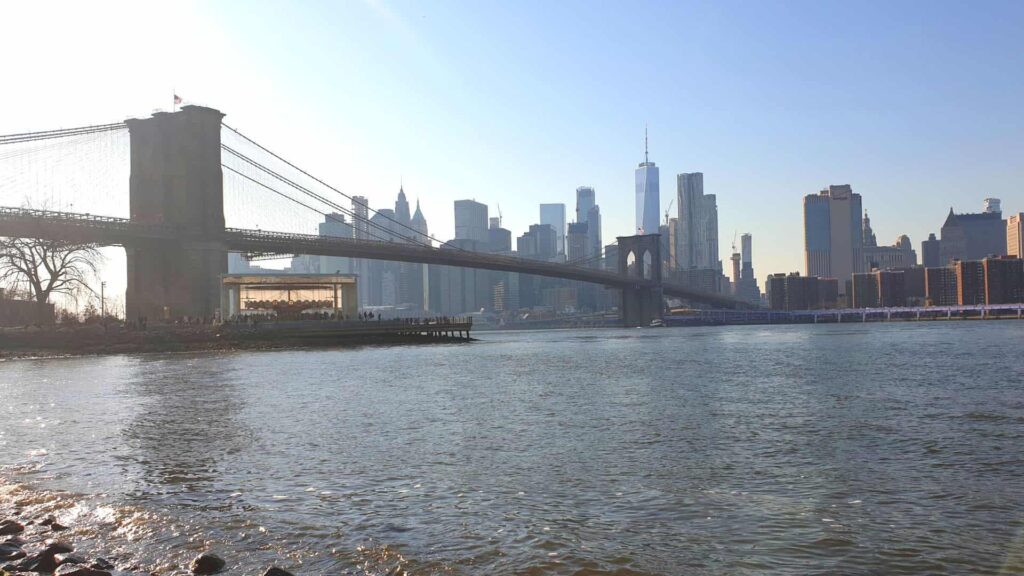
[657,323]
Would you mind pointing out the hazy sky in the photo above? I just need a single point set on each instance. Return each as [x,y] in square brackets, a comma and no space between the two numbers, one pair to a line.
[917,105]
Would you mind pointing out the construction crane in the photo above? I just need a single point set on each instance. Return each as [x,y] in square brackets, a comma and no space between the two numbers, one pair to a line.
[499,219]
[734,232]
[668,210]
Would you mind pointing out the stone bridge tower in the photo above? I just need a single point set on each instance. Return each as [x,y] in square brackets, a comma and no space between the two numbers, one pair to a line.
[176,180]
[640,258]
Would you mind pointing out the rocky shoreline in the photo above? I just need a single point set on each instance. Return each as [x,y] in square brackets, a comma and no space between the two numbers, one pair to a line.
[33,545]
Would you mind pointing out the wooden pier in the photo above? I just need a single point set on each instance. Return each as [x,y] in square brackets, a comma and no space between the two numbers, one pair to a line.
[456,329]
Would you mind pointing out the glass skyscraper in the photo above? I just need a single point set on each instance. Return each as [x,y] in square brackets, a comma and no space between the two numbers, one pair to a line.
[585,200]
[471,222]
[833,234]
[697,238]
[554,215]
[648,197]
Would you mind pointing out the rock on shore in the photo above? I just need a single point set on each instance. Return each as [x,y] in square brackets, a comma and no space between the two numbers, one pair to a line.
[207,563]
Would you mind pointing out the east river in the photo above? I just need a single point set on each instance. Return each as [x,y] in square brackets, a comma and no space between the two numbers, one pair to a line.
[854,449]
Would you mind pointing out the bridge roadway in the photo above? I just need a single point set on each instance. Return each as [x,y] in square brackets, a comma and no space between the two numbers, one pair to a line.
[110,231]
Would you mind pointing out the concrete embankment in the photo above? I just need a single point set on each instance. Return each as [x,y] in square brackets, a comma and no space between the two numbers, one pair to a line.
[95,339]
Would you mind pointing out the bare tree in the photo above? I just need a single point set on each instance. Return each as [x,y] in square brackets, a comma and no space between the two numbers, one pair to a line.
[46,268]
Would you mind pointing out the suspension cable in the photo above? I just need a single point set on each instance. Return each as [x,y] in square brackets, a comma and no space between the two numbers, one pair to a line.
[332,188]
[299,202]
[314,195]
[62,133]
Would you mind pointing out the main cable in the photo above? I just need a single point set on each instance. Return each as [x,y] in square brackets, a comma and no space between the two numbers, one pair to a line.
[332,188]
[314,195]
[300,203]
[63,133]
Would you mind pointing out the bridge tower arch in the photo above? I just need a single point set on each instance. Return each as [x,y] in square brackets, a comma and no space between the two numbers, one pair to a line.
[176,180]
[640,258]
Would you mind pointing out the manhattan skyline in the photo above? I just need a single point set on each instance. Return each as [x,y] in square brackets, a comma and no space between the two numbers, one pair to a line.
[915,109]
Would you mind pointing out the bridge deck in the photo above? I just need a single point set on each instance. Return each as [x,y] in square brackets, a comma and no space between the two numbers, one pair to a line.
[104,230]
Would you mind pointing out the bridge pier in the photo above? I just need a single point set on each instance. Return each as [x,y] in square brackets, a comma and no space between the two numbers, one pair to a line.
[640,258]
[176,180]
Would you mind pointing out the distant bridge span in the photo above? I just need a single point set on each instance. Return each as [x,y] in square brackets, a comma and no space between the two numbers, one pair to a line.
[176,242]
[111,231]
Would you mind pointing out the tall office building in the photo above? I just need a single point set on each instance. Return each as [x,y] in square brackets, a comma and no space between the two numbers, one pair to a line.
[747,246]
[382,281]
[611,258]
[361,213]
[930,252]
[402,209]
[410,281]
[589,213]
[697,240]
[711,232]
[554,215]
[869,234]
[833,234]
[419,223]
[1015,235]
[973,236]
[336,226]
[594,245]
[499,239]
[471,221]
[538,243]
[585,200]
[648,196]
[361,229]
[420,277]
[746,288]
[577,242]
[457,290]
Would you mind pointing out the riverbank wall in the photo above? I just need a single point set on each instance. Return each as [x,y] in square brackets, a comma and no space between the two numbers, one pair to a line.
[98,339]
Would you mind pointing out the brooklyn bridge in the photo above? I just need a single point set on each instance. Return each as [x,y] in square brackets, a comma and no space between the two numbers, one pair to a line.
[176,239]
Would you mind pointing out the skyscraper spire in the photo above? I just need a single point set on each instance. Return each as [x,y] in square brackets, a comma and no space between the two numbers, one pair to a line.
[646,159]
[402,205]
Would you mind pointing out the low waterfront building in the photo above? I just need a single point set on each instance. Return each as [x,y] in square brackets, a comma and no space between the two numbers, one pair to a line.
[913,285]
[940,286]
[796,292]
[1004,280]
[828,292]
[970,282]
[879,288]
[775,287]
[289,296]
[865,291]
[891,288]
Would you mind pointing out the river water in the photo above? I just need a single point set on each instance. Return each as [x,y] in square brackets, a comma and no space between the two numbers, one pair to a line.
[880,448]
